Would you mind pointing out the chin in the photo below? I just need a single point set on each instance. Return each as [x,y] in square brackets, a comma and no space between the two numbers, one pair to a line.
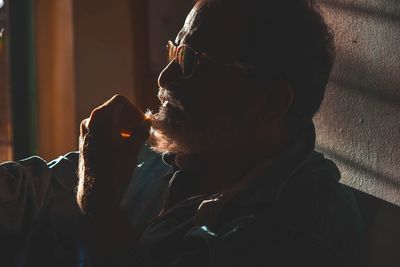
[167,119]
[175,132]
[167,129]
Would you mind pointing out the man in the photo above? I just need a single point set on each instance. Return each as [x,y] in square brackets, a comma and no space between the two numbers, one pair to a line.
[237,99]
[244,187]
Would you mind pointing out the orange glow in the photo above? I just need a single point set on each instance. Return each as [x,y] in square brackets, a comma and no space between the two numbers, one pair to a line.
[126,133]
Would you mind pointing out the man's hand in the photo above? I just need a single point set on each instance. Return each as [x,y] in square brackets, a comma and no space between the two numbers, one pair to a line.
[109,143]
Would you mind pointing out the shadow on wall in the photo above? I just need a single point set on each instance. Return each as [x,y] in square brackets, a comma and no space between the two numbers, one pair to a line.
[367,91]
[374,73]
[362,168]
[358,125]
[366,78]
[383,12]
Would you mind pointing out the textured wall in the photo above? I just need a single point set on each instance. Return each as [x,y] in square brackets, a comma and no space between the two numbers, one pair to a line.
[359,123]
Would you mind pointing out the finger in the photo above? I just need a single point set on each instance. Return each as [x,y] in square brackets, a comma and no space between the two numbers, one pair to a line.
[117,113]
[127,115]
[84,127]
[118,104]
[100,119]
[105,117]
[108,110]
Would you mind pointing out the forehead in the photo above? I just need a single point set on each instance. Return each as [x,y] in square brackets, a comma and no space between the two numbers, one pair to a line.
[214,30]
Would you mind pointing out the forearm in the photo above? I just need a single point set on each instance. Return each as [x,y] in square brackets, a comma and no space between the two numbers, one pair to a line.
[107,232]
[106,163]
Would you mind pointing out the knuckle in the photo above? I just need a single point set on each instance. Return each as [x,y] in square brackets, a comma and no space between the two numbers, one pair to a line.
[116,104]
[95,112]
[118,100]
[83,123]
[98,113]
[84,126]
[98,117]
[118,97]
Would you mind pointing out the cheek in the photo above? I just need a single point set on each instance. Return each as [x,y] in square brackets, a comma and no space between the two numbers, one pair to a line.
[229,95]
[215,94]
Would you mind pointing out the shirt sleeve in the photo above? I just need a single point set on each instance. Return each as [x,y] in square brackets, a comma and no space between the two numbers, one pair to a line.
[39,216]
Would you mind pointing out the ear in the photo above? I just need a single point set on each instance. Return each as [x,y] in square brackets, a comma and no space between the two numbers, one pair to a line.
[273,100]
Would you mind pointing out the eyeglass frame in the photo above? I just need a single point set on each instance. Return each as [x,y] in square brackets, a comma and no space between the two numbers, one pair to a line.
[244,68]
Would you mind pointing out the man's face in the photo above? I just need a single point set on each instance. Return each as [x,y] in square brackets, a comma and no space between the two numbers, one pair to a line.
[207,109]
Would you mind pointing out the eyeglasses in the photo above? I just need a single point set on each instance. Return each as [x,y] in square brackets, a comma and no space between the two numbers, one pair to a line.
[188,59]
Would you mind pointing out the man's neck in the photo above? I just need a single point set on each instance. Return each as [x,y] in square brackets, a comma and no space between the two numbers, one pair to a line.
[222,169]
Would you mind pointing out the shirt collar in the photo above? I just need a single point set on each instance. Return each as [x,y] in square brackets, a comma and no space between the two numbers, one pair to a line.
[263,183]
[268,179]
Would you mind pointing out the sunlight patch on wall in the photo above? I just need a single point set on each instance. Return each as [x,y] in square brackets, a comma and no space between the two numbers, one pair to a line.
[358,124]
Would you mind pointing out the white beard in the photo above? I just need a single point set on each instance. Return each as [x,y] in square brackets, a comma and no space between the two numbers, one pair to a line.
[180,135]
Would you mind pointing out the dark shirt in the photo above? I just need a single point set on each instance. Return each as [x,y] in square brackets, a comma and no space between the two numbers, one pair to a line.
[39,216]
[292,212]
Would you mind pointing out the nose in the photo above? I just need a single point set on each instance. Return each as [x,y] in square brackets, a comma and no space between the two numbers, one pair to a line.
[169,76]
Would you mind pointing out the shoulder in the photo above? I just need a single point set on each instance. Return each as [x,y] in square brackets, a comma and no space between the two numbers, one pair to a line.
[316,191]
[318,212]
[315,222]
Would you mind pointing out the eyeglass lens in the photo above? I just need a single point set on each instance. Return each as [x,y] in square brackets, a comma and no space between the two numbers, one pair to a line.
[185,57]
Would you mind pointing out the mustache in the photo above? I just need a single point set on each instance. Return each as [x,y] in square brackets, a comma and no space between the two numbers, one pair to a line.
[167,97]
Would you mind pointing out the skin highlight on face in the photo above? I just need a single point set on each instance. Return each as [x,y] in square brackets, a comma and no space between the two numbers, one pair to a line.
[173,130]
[187,125]
[213,110]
